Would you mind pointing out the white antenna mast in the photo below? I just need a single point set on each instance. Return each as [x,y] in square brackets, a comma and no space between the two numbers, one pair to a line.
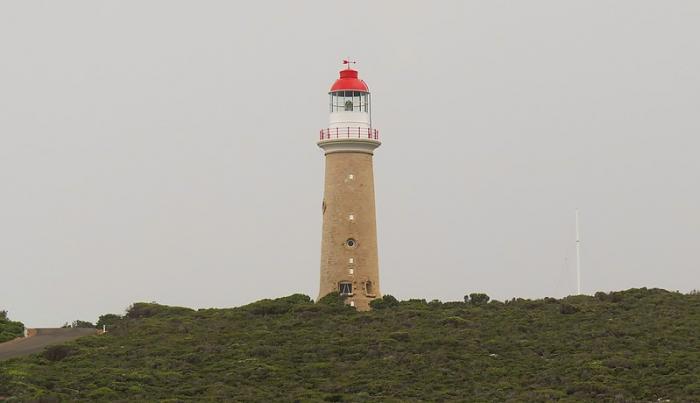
[578,257]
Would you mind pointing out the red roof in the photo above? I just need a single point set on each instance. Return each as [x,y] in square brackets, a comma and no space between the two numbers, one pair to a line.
[348,81]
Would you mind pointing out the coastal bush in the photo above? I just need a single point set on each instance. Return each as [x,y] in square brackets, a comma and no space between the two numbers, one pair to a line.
[277,306]
[57,352]
[79,323]
[149,309]
[641,348]
[568,309]
[478,298]
[334,299]
[108,320]
[9,329]
[387,301]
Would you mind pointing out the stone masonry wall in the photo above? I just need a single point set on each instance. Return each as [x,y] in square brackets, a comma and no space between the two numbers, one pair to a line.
[349,213]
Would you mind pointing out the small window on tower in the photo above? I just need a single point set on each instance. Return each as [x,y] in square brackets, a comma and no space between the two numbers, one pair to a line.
[351,260]
[345,288]
[351,243]
[369,289]
[351,217]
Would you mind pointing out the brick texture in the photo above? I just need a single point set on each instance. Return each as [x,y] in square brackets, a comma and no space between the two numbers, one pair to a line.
[349,213]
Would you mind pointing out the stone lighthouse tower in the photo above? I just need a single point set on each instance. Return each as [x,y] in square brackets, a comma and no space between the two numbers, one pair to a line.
[349,262]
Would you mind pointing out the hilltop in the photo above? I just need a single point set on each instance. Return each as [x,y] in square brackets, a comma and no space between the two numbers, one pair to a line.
[635,345]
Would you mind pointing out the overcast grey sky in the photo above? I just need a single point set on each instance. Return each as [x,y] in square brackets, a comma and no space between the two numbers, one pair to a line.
[165,150]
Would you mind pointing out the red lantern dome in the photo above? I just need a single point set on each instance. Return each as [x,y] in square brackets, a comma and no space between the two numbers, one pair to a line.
[348,81]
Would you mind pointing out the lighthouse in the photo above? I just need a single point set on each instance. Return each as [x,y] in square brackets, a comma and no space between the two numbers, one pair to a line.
[349,259]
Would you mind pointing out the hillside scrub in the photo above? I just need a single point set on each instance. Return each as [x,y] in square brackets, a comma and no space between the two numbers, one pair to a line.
[79,324]
[9,329]
[635,345]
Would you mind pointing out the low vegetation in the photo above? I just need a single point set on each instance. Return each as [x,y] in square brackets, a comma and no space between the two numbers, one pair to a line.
[9,329]
[635,345]
[78,323]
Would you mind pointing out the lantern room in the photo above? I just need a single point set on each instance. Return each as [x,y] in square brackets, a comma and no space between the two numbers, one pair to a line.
[349,101]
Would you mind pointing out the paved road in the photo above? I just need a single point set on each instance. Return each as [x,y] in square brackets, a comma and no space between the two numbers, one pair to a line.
[43,338]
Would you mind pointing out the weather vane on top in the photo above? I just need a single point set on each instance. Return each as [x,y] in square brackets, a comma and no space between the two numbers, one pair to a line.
[349,62]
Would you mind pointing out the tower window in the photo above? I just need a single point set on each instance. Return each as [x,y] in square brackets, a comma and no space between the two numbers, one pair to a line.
[351,271]
[351,243]
[351,217]
[351,260]
[369,288]
[345,288]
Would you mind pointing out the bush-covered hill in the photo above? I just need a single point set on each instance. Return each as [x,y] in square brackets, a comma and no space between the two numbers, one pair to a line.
[636,345]
[9,329]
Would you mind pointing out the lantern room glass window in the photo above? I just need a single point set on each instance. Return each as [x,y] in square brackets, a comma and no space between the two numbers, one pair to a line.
[349,101]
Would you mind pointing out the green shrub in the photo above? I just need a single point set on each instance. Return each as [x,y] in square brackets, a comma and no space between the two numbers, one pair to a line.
[9,329]
[149,309]
[455,321]
[277,306]
[333,298]
[568,309]
[300,299]
[387,301]
[58,352]
[109,320]
[614,296]
[435,303]
[478,298]
[82,324]
[310,309]
[400,336]
[390,300]
[102,393]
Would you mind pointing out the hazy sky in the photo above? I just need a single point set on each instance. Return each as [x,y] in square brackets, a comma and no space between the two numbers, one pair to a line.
[165,150]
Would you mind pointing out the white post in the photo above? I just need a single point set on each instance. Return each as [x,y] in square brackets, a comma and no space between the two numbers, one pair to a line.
[104,328]
[578,257]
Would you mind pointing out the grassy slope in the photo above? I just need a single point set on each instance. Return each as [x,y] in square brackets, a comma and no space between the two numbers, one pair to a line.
[629,346]
[9,329]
